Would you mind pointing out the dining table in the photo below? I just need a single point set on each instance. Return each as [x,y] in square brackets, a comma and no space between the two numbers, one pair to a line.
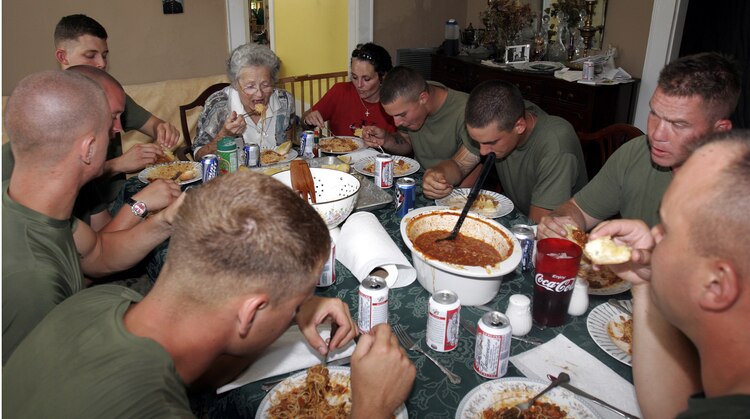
[433,395]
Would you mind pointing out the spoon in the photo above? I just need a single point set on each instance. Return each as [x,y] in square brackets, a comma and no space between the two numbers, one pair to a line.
[489,163]
[620,306]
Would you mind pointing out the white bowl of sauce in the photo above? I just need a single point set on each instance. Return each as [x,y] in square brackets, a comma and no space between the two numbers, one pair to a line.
[472,266]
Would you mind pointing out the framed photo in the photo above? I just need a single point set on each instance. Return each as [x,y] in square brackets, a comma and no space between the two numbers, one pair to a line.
[517,53]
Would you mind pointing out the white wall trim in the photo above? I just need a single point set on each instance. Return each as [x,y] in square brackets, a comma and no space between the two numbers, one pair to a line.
[271,27]
[664,37]
[360,14]
[238,23]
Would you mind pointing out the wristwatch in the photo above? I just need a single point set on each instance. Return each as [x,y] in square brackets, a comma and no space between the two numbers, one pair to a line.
[138,207]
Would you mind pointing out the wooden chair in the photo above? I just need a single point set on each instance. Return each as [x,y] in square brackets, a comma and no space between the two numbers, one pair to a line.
[199,101]
[308,89]
[598,146]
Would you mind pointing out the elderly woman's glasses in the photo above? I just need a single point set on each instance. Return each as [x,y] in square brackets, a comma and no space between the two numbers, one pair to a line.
[358,53]
[252,89]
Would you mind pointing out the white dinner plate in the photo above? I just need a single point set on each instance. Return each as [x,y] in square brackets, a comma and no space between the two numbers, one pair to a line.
[196,167]
[339,375]
[365,166]
[512,390]
[457,199]
[616,288]
[597,323]
[360,144]
[544,67]
[287,158]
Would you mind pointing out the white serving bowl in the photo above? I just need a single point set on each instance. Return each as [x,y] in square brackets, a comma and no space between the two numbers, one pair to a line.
[335,191]
[475,285]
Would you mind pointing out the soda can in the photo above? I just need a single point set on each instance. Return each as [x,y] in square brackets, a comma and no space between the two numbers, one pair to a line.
[384,171]
[492,349]
[328,276]
[251,155]
[210,167]
[443,314]
[526,239]
[557,263]
[406,195]
[226,150]
[588,71]
[373,303]
[306,144]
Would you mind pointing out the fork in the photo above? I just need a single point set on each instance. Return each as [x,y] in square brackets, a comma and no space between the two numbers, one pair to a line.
[524,406]
[408,343]
[302,180]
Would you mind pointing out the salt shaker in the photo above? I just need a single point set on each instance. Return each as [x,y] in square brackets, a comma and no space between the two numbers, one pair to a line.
[579,301]
[519,314]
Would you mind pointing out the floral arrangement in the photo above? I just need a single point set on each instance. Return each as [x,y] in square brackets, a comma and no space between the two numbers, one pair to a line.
[572,9]
[507,17]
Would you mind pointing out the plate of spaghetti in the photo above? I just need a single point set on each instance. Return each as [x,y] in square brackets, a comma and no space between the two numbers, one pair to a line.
[340,145]
[402,166]
[316,392]
[496,398]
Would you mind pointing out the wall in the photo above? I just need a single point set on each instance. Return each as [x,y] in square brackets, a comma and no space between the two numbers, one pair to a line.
[311,36]
[416,23]
[626,27]
[145,44]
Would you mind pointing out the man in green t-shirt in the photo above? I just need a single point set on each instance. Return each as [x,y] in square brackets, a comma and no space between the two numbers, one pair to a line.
[53,122]
[691,287]
[81,40]
[694,97]
[539,158]
[242,265]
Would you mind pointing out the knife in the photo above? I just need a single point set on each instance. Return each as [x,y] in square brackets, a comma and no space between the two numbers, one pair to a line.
[602,403]
[268,385]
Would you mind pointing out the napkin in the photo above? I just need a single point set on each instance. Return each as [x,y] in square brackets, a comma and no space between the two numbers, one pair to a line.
[363,154]
[289,353]
[363,245]
[586,372]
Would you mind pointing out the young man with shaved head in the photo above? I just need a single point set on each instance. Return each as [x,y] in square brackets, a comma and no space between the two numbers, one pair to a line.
[691,287]
[59,124]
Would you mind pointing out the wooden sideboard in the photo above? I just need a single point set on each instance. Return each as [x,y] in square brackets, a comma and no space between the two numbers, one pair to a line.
[588,108]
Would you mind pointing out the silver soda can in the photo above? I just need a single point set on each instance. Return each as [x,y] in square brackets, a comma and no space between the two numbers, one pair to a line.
[406,195]
[328,276]
[306,142]
[492,349]
[251,155]
[526,239]
[210,167]
[384,171]
[443,316]
[373,303]
[588,71]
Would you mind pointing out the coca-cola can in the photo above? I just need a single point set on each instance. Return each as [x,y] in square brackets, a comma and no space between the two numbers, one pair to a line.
[443,315]
[384,171]
[328,276]
[526,238]
[210,167]
[492,348]
[557,263]
[406,195]
[373,303]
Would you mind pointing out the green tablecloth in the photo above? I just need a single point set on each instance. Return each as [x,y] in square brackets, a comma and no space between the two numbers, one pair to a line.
[433,395]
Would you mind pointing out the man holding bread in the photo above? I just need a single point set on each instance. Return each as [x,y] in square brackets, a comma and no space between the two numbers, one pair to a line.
[695,96]
[691,287]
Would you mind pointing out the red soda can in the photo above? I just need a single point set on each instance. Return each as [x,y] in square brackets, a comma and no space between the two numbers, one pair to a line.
[557,263]
[384,171]
[588,70]
[373,303]
[443,316]
[492,349]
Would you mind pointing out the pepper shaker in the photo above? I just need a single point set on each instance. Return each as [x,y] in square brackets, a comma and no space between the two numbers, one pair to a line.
[519,314]
[579,301]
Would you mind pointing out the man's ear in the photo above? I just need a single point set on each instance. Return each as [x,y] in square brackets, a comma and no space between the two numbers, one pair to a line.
[520,126]
[248,312]
[723,125]
[61,56]
[723,287]
[424,97]
[86,148]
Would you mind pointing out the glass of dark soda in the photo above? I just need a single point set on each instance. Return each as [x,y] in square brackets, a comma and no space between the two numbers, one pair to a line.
[557,263]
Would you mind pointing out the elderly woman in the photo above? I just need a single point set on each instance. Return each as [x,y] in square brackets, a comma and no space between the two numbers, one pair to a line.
[349,106]
[250,107]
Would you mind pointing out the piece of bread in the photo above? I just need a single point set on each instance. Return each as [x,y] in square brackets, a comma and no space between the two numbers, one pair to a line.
[604,251]
[284,148]
[187,175]
[168,156]
[358,132]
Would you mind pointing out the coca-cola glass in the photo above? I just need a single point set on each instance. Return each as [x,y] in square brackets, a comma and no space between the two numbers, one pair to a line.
[557,263]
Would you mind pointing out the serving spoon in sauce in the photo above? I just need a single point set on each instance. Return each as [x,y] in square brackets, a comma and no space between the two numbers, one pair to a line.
[489,163]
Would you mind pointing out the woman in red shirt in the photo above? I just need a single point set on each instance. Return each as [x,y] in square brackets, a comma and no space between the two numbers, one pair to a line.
[349,106]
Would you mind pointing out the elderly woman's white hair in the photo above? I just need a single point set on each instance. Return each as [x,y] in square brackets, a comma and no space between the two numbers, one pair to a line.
[252,55]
